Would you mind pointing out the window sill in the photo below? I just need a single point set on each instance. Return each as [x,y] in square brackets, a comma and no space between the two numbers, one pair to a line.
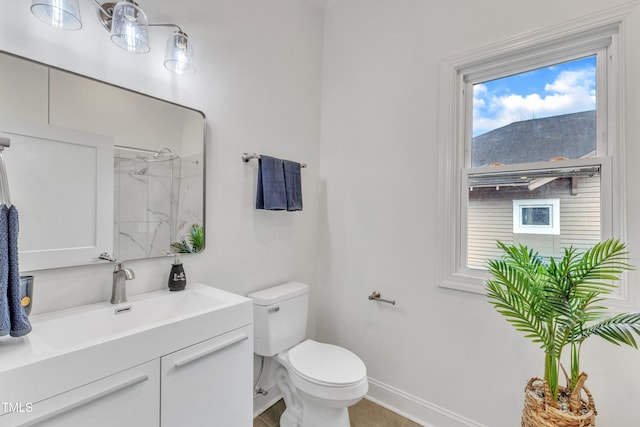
[468,281]
[473,281]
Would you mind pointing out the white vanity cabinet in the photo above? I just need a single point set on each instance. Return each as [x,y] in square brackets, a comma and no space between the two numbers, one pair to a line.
[172,359]
[206,384]
[128,398]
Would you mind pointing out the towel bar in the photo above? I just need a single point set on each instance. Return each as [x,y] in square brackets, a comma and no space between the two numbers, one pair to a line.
[375,296]
[248,156]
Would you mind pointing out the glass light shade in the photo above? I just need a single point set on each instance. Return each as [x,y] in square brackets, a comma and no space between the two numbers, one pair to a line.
[64,14]
[129,28]
[178,57]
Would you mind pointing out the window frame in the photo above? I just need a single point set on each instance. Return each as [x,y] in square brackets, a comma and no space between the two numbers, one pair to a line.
[553,208]
[564,42]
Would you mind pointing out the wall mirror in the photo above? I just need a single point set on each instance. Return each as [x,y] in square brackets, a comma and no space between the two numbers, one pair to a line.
[96,168]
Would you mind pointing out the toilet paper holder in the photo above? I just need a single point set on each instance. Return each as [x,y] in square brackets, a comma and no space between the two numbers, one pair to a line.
[375,296]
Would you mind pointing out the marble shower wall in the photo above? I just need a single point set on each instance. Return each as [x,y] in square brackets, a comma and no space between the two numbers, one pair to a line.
[155,202]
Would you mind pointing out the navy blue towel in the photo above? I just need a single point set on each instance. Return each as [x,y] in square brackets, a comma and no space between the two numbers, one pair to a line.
[19,321]
[293,184]
[5,320]
[271,192]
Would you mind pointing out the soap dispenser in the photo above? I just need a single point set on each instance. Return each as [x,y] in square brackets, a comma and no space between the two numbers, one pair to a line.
[177,278]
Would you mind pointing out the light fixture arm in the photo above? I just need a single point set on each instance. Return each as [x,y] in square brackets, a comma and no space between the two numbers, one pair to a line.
[167,25]
[102,9]
[106,15]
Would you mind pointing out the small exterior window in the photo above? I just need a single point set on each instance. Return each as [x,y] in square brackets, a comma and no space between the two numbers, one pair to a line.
[540,216]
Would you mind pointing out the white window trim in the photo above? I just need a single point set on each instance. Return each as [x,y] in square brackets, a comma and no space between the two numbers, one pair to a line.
[553,43]
[553,205]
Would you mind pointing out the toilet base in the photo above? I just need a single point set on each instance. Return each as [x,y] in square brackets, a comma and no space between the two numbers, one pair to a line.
[322,416]
[287,420]
[304,410]
[292,415]
[315,416]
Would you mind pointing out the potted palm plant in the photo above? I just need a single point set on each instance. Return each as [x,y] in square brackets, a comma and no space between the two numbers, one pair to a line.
[557,304]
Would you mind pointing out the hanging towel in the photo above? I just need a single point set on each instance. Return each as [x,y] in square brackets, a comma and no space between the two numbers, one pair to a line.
[5,320]
[271,192]
[293,184]
[20,325]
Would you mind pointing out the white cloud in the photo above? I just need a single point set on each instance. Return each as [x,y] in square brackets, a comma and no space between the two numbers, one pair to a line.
[571,91]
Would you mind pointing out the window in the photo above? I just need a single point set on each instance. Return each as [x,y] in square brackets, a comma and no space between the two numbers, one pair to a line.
[544,116]
[536,216]
[530,132]
[532,217]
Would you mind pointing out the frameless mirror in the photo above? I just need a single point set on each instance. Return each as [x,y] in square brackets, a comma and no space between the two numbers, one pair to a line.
[62,125]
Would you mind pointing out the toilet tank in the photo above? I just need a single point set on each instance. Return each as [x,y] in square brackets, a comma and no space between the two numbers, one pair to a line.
[279,317]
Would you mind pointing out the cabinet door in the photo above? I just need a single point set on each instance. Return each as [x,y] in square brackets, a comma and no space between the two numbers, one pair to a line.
[62,184]
[209,384]
[128,398]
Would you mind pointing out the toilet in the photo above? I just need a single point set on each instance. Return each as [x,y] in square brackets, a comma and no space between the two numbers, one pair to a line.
[318,381]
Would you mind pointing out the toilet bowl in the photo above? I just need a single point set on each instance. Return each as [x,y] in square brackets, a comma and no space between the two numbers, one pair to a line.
[318,381]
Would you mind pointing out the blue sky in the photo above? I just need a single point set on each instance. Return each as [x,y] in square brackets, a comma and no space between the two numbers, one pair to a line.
[559,89]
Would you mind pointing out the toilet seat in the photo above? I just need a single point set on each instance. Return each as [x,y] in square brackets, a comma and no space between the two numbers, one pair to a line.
[326,364]
[323,371]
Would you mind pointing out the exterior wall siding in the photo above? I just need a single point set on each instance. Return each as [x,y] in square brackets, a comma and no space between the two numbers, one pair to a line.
[490,218]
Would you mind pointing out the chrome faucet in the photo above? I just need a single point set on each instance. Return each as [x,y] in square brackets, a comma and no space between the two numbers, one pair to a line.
[120,276]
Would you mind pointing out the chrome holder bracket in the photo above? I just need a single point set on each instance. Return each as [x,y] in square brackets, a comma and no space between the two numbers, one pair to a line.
[375,296]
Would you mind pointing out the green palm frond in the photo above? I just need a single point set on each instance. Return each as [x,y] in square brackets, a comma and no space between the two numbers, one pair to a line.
[196,238]
[603,263]
[181,247]
[512,295]
[617,330]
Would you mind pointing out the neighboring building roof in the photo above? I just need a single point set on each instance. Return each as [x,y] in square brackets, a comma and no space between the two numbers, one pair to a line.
[571,136]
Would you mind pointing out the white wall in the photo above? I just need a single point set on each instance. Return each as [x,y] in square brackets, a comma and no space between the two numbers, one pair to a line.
[437,350]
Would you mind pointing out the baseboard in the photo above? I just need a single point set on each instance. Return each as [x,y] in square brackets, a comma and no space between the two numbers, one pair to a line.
[262,402]
[413,408]
[417,410]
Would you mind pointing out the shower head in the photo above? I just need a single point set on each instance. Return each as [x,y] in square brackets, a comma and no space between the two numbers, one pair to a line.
[164,154]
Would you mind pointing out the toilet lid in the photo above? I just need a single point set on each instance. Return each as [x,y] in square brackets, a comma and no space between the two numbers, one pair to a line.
[326,364]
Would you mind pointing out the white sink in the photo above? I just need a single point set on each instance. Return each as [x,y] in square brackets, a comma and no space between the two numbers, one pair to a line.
[102,321]
[102,339]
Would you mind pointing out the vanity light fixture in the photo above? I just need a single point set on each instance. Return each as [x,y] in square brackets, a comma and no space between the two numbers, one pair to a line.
[128,25]
[178,56]
[64,14]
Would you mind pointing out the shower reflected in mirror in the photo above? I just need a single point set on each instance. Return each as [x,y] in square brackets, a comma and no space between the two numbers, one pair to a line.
[158,196]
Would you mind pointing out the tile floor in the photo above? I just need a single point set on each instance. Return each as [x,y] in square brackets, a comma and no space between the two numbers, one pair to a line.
[363,414]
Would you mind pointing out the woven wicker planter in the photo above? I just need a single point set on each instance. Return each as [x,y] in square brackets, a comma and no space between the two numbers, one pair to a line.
[541,412]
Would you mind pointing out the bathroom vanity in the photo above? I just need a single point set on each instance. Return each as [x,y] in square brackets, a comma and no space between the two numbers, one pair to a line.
[162,358]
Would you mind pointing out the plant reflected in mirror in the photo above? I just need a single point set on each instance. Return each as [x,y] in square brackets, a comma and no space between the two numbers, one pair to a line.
[195,243]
